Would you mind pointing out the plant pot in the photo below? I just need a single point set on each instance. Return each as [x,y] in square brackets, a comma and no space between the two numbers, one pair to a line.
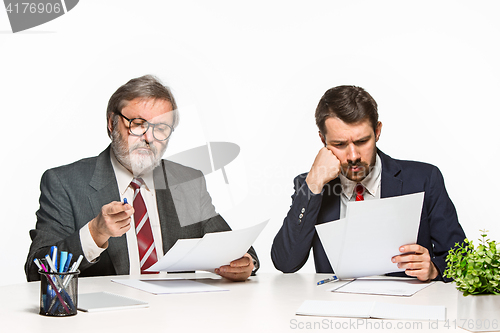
[478,313]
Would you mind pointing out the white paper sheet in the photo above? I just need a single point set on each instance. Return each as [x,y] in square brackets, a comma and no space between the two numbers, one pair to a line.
[372,310]
[335,309]
[168,286]
[408,311]
[210,252]
[363,243]
[104,301]
[386,286]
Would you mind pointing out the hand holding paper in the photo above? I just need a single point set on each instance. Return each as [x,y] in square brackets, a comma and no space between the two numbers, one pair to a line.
[237,270]
[416,261]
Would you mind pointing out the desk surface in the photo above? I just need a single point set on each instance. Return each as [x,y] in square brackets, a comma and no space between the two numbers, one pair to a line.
[264,303]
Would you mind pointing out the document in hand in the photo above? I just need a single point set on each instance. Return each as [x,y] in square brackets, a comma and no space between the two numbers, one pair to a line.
[363,243]
[210,252]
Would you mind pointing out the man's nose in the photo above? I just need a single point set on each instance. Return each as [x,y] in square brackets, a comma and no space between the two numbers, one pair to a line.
[353,153]
[148,135]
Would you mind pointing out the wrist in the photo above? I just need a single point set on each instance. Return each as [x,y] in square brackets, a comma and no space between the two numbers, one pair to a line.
[434,272]
[315,185]
[99,238]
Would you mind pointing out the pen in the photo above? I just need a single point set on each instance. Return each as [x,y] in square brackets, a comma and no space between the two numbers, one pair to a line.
[37,263]
[51,264]
[44,295]
[68,261]
[53,251]
[78,262]
[73,269]
[50,294]
[331,279]
[62,261]
[54,258]
[125,201]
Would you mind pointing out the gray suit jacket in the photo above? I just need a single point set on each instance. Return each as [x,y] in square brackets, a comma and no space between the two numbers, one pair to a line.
[73,194]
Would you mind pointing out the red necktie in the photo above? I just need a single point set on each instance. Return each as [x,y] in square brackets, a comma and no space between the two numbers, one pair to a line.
[145,241]
[360,189]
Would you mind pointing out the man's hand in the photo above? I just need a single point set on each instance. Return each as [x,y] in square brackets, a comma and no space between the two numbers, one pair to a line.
[112,221]
[326,167]
[417,262]
[237,270]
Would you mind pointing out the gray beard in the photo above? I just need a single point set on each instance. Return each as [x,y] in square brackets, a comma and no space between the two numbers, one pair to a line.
[137,163]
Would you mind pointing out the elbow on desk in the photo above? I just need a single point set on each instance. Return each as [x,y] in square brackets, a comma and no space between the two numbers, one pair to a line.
[285,264]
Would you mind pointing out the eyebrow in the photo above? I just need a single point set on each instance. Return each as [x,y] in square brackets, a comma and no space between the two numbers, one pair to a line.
[365,138]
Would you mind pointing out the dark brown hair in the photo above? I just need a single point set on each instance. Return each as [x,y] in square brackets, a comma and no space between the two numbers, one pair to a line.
[350,104]
[147,87]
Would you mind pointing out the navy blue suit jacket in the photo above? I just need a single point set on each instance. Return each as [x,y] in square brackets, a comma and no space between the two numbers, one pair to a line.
[439,227]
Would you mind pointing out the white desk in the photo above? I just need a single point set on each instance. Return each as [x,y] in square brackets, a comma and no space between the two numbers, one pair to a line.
[264,303]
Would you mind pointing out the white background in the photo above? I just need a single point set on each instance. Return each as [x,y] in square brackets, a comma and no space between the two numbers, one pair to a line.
[252,73]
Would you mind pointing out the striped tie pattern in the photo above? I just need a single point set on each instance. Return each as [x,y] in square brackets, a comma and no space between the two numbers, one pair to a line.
[145,241]
[360,189]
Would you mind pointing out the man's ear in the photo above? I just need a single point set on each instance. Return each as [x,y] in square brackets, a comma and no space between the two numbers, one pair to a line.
[110,124]
[322,138]
[378,130]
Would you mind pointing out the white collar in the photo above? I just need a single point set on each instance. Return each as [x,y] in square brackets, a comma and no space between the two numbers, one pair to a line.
[370,182]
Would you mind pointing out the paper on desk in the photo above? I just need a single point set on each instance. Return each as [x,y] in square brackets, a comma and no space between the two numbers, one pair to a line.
[363,243]
[371,310]
[385,286]
[212,251]
[168,286]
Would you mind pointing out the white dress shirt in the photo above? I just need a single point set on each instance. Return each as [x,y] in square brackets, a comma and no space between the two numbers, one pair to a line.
[123,178]
[371,184]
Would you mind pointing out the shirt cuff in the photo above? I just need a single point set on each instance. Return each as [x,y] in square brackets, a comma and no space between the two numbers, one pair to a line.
[90,249]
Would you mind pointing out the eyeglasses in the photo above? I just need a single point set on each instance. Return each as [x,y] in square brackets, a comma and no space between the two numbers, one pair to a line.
[139,127]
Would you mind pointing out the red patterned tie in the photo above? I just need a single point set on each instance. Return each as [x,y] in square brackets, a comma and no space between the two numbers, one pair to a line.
[145,241]
[360,189]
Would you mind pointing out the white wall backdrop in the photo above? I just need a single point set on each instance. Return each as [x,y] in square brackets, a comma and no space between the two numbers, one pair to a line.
[252,73]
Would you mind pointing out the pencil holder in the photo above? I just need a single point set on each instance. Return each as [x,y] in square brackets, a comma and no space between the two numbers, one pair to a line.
[58,293]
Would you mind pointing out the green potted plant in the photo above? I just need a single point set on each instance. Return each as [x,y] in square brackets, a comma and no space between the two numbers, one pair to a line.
[476,273]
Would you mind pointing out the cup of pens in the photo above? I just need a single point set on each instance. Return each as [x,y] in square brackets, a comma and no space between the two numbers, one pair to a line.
[58,293]
[59,284]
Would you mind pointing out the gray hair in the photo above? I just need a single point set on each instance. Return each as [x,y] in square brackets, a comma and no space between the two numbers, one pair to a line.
[147,87]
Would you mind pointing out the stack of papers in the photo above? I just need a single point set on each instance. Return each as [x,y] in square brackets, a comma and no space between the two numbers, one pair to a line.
[363,243]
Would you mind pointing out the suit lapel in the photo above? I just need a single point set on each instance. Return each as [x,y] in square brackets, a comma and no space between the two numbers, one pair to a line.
[106,190]
[391,183]
[332,201]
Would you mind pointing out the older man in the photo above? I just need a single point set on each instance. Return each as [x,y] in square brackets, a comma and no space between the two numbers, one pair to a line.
[82,207]
[350,167]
